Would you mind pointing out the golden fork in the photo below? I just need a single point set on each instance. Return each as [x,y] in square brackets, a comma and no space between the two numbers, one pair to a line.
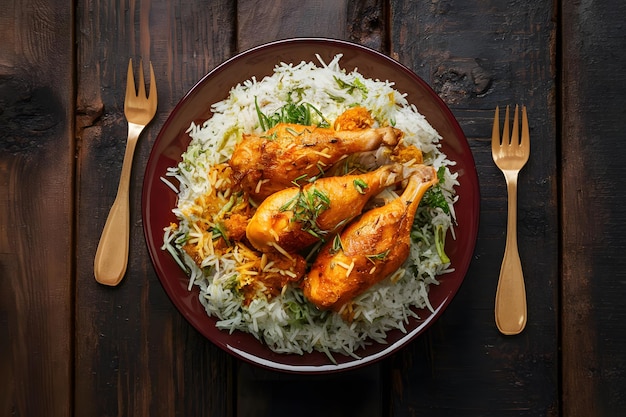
[112,253]
[510,155]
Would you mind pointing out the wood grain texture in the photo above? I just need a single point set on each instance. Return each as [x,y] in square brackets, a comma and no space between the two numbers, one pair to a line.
[266,393]
[36,203]
[368,23]
[475,63]
[593,149]
[69,346]
[261,22]
[135,354]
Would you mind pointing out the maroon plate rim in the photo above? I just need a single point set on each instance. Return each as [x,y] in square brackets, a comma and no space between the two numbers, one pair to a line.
[158,199]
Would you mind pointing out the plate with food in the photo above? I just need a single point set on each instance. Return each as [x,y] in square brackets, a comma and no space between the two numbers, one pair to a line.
[311,205]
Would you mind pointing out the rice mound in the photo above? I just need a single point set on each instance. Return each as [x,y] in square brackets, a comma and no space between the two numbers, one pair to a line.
[288,323]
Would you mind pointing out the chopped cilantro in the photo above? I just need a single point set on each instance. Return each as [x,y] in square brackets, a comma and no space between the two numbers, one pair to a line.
[306,207]
[434,196]
[360,185]
[301,114]
[377,257]
[440,243]
[350,87]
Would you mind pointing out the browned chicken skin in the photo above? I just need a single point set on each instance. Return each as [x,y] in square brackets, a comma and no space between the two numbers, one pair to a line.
[372,248]
[290,219]
[354,118]
[270,162]
[270,277]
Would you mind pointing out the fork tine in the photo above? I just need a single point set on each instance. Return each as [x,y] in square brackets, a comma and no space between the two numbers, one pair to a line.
[495,133]
[525,144]
[505,133]
[515,128]
[153,91]
[130,82]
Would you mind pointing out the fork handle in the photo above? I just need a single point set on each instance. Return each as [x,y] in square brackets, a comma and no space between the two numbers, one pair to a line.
[112,254]
[510,306]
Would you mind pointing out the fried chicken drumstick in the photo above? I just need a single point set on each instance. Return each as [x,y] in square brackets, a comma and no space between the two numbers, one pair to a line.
[369,249]
[295,218]
[265,164]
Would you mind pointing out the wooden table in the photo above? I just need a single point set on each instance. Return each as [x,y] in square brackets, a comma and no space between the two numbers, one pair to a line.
[72,347]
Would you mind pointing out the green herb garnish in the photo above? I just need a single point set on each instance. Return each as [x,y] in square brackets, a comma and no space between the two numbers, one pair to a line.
[434,197]
[273,136]
[296,180]
[360,185]
[337,245]
[295,113]
[320,175]
[306,207]
[440,243]
[378,257]
[298,314]
[220,231]
[293,132]
[441,174]
[350,87]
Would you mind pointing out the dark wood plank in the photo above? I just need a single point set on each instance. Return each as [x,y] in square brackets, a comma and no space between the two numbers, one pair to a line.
[259,23]
[135,354]
[477,55]
[368,24]
[267,393]
[363,22]
[36,204]
[357,392]
[593,149]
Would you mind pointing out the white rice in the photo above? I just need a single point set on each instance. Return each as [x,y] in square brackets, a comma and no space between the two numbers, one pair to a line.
[386,306]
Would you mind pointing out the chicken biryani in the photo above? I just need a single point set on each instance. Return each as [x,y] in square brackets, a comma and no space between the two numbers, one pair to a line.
[313,208]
